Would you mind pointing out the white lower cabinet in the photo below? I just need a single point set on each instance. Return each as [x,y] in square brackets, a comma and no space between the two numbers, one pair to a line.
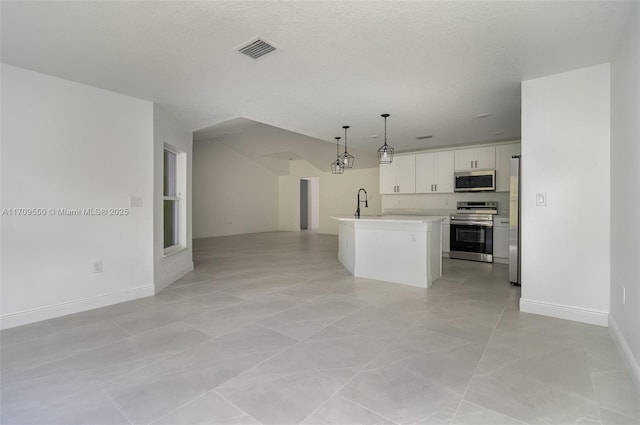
[501,240]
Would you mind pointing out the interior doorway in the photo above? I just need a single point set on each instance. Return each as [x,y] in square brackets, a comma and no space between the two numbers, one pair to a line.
[309,203]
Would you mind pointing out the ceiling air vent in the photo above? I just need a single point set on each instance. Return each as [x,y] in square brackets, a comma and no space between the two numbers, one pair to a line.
[256,48]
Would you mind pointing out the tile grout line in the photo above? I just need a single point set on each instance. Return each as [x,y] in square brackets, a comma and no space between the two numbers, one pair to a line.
[115,404]
[464,394]
[146,363]
[357,374]
[198,397]
[235,405]
[52,329]
[593,384]
[70,354]
[113,322]
[364,407]
[497,413]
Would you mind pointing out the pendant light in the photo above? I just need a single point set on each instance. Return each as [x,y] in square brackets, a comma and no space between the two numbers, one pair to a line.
[385,153]
[336,166]
[347,158]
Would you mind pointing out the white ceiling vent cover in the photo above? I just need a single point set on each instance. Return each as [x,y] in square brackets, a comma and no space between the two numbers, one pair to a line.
[256,48]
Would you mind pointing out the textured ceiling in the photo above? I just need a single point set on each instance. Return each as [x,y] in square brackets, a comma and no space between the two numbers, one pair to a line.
[432,65]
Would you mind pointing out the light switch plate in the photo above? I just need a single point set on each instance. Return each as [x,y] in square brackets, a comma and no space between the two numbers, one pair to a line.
[541,199]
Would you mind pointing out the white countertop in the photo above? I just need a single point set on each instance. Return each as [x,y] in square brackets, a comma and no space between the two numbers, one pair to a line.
[419,212]
[391,218]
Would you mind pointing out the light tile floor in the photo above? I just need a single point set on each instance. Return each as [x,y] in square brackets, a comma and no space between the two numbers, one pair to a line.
[271,329]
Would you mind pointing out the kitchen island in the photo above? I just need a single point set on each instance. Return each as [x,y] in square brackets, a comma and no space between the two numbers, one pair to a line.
[399,249]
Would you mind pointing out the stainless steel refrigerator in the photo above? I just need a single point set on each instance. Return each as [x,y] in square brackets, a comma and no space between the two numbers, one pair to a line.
[514,222]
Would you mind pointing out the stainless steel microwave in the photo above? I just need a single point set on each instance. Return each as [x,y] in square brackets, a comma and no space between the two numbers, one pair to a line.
[475,181]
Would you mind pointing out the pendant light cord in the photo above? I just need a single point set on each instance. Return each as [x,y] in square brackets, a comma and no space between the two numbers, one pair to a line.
[345,138]
[385,131]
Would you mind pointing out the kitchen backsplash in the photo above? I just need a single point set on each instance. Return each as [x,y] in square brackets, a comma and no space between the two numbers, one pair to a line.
[439,203]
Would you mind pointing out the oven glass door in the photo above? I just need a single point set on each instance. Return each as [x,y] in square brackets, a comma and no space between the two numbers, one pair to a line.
[472,238]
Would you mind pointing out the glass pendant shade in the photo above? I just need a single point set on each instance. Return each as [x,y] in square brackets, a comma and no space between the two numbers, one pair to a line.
[336,166]
[346,157]
[385,153]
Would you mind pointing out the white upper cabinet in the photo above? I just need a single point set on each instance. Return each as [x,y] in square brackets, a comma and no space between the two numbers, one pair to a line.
[503,165]
[388,178]
[475,159]
[399,176]
[434,172]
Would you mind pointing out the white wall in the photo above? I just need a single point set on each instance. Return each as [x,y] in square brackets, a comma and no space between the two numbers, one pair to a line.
[167,130]
[338,194]
[565,154]
[440,202]
[67,145]
[625,192]
[232,194]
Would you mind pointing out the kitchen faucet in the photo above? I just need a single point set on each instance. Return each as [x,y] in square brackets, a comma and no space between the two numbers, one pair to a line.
[366,202]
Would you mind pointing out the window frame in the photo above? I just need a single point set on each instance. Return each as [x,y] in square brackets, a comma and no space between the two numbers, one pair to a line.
[180,182]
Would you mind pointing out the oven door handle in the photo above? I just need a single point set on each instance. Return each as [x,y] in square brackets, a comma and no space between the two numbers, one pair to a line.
[471,223]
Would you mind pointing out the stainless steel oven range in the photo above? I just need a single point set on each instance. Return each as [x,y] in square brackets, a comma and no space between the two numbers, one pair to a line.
[472,231]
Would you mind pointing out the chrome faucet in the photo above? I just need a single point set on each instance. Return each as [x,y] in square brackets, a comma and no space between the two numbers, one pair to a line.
[366,202]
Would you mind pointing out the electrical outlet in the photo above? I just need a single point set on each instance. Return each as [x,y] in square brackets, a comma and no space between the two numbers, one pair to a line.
[97,266]
[135,201]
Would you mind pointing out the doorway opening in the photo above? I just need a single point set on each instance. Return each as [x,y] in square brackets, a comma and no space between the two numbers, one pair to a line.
[309,204]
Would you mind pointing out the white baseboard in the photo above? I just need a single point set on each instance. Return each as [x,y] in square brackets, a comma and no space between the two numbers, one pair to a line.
[172,277]
[577,314]
[627,354]
[11,320]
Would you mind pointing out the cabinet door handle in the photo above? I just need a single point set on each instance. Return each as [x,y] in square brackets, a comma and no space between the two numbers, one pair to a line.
[476,164]
[436,187]
[471,164]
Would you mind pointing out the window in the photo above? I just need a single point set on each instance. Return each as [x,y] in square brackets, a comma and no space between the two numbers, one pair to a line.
[174,203]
